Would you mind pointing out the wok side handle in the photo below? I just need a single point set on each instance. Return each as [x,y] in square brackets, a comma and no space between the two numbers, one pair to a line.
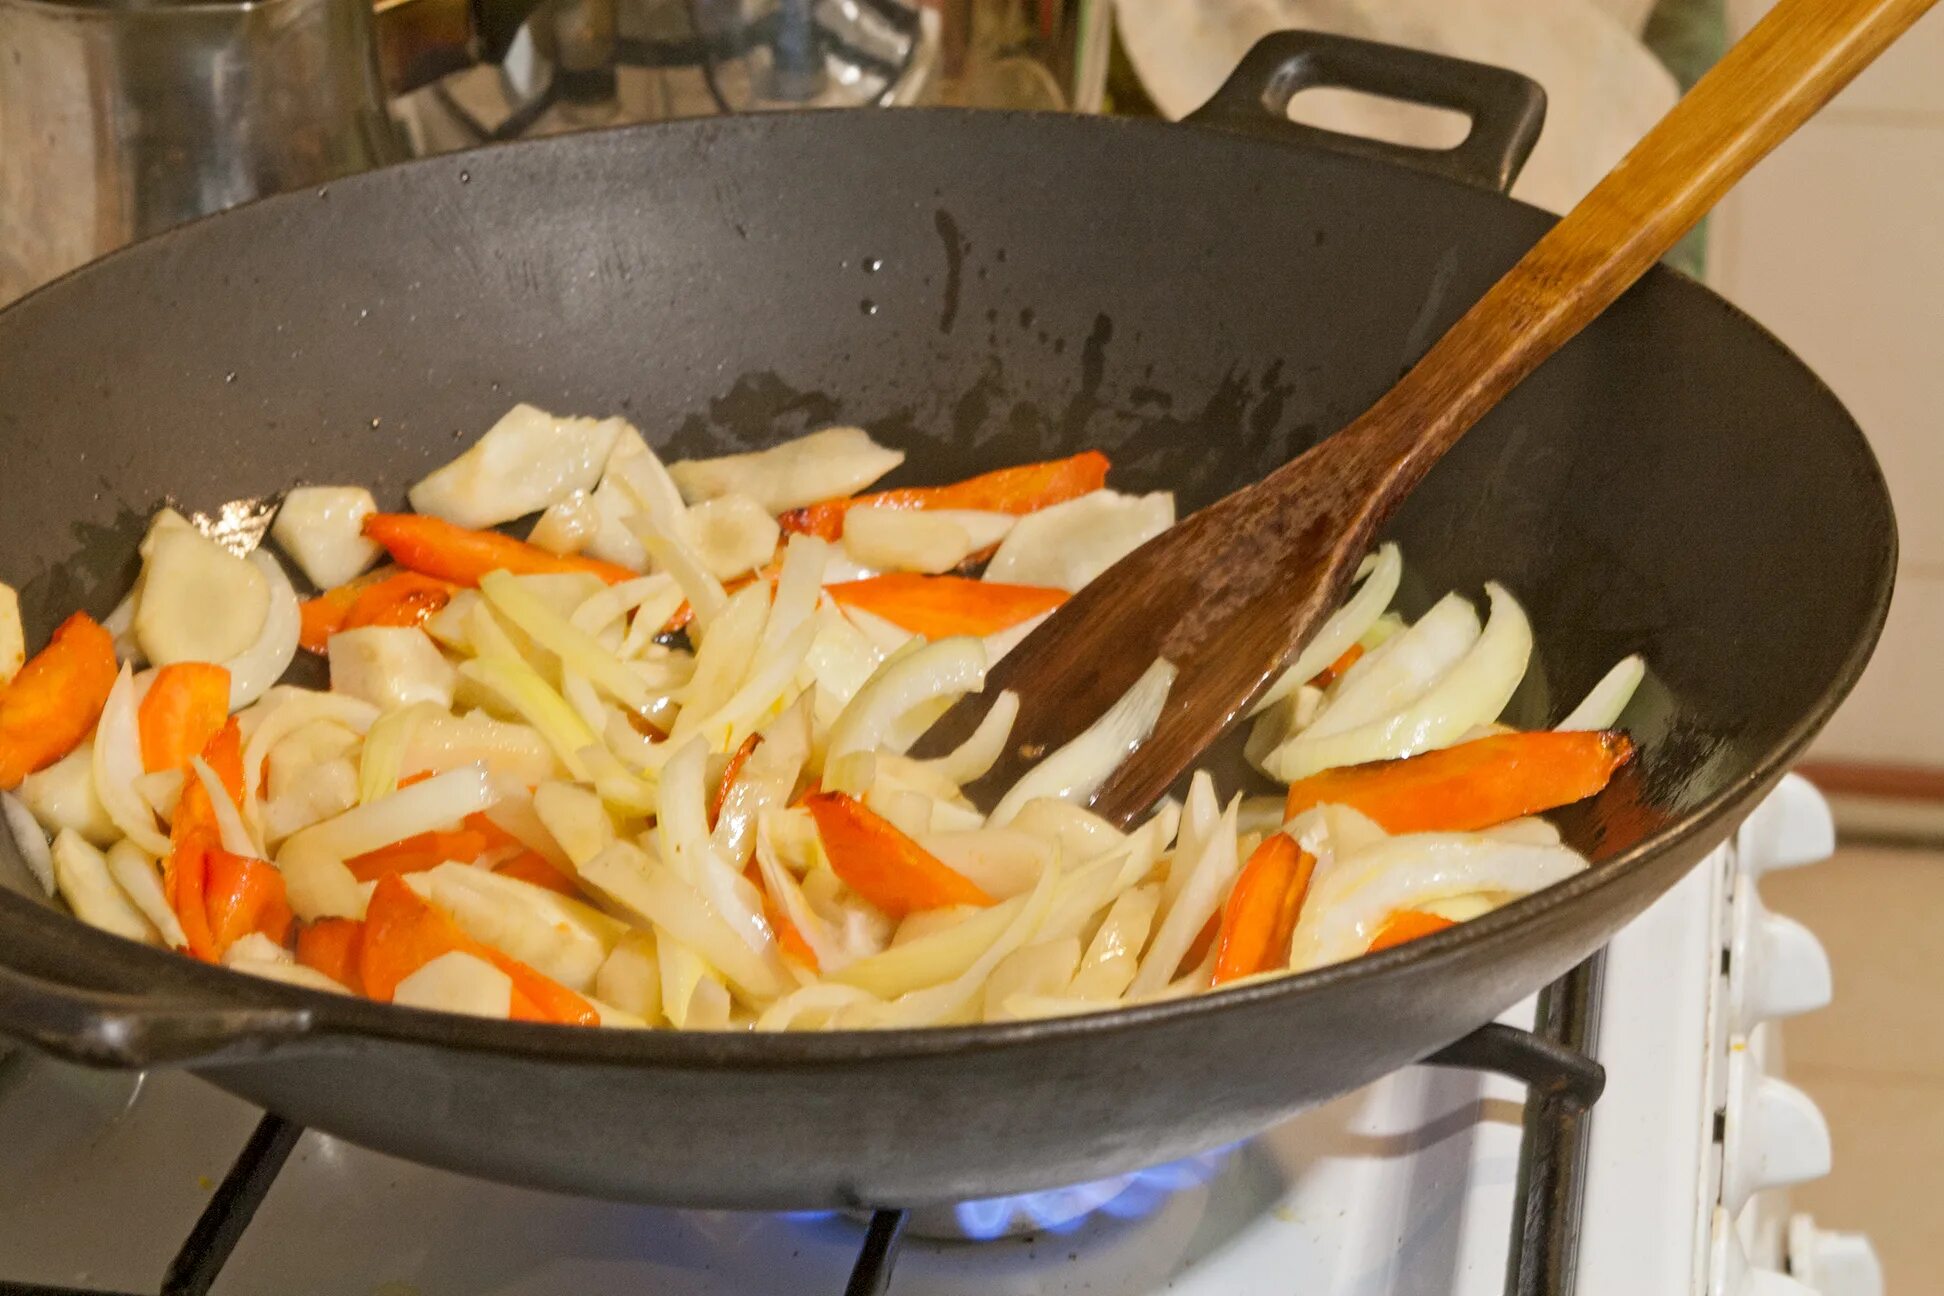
[105,1029]
[1549,1070]
[1506,109]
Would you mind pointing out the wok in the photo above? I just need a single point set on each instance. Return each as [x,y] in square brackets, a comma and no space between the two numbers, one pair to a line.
[1202,302]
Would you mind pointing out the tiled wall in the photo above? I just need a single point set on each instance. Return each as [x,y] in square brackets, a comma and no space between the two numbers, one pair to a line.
[1836,243]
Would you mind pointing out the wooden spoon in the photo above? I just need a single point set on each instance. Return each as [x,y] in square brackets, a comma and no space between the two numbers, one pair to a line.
[1232,593]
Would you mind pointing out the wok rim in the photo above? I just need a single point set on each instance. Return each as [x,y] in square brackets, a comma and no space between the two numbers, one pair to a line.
[340,1021]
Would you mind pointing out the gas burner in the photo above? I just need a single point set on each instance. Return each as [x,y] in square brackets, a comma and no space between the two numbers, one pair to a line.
[1062,1210]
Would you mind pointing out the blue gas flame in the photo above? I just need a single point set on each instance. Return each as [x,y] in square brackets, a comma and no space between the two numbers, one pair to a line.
[1062,1210]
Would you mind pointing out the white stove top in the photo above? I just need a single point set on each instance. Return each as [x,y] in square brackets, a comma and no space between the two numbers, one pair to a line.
[1405,1188]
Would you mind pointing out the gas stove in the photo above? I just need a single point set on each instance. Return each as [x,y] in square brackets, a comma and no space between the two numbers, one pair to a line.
[1674,1181]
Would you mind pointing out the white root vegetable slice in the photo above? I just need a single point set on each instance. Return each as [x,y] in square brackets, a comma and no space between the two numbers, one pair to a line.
[1066,545]
[733,533]
[633,473]
[280,714]
[1379,574]
[1076,771]
[322,529]
[136,874]
[13,641]
[525,462]
[576,820]
[263,663]
[918,540]
[693,995]
[63,796]
[1349,904]
[118,763]
[1601,707]
[630,977]
[81,876]
[568,525]
[199,602]
[559,936]
[28,840]
[1471,693]
[521,689]
[390,667]
[823,465]
[457,982]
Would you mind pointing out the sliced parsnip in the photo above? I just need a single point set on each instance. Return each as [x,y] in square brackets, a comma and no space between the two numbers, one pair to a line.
[577,820]
[390,666]
[892,539]
[630,978]
[458,982]
[446,742]
[13,641]
[527,461]
[734,534]
[1069,544]
[82,877]
[560,937]
[824,465]
[199,602]
[62,797]
[322,529]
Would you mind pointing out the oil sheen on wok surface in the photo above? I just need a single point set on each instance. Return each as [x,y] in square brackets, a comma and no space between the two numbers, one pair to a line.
[647,767]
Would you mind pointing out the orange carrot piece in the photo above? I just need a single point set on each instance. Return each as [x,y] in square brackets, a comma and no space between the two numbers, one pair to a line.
[1334,671]
[938,606]
[187,703]
[1024,489]
[403,933]
[1407,925]
[1198,948]
[331,945]
[531,866]
[417,853]
[185,876]
[892,872]
[788,936]
[454,553]
[403,598]
[55,699]
[1260,916]
[223,753]
[244,895]
[728,779]
[495,837]
[1473,785]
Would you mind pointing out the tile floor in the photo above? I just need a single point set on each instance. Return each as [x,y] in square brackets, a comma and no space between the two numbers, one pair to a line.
[1874,1059]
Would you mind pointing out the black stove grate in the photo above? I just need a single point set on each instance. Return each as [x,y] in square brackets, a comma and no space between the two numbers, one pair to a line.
[1554,1062]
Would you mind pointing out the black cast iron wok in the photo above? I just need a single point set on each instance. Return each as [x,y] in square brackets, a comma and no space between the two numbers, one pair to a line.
[1202,302]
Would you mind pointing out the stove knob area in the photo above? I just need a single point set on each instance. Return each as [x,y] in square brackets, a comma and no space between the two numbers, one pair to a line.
[1791,827]
[1732,1274]
[1777,968]
[1772,1134]
[1832,1263]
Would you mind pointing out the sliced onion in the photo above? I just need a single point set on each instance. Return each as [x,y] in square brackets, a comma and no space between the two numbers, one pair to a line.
[728,648]
[578,650]
[1076,771]
[983,747]
[653,893]
[1472,692]
[520,687]
[1194,902]
[382,762]
[939,957]
[1349,905]
[235,837]
[1380,574]
[118,763]
[437,803]
[1114,954]
[1043,967]
[135,873]
[942,670]
[676,556]
[765,782]
[682,831]
[282,713]
[1402,671]
[782,886]
[693,996]
[81,876]
[263,663]
[29,839]
[799,586]
[559,936]
[1602,706]
[813,1006]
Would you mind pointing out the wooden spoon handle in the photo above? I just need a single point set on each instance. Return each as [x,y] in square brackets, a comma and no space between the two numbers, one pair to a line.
[1771,82]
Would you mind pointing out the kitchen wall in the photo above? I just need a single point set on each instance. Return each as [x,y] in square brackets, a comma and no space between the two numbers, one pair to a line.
[1836,243]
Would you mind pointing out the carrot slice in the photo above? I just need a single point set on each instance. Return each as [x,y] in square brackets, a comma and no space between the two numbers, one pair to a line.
[454,553]
[728,779]
[939,606]
[403,933]
[1024,489]
[244,895]
[1407,925]
[531,866]
[495,837]
[788,936]
[403,598]
[1334,671]
[187,703]
[331,946]
[417,853]
[891,871]
[55,699]
[1260,916]
[1473,785]
[194,839]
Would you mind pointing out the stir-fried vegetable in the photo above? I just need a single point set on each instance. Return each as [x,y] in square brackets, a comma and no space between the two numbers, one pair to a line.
[650,768]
